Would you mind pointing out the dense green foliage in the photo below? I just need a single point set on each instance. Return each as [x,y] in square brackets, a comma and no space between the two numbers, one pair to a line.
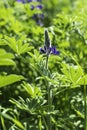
[26,101]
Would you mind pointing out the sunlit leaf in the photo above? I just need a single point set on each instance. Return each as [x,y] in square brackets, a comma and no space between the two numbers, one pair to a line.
[9,79]
[6,58]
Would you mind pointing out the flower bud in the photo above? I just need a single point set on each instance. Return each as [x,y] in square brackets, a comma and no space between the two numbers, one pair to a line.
[47,39]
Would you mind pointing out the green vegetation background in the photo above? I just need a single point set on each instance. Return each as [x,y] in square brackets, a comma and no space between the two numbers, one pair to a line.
[23,79]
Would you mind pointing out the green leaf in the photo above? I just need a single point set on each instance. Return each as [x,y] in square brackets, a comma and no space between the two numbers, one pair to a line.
[2,42]
[15,121]
[78,112]
[83,80]
[6,58]
[6,62]
[32,91]
[73,73]
[7,80]
[29,89]
[18,123]
[17,45]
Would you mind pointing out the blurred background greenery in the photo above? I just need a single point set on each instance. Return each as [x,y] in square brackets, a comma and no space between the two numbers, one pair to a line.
[19,34]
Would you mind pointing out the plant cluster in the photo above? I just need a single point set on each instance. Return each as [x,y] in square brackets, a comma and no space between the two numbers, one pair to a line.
[43,68]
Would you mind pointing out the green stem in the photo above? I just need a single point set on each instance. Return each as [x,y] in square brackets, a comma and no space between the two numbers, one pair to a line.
[45,123]
[85,106]
[47,56]
[49,106]
[49,99]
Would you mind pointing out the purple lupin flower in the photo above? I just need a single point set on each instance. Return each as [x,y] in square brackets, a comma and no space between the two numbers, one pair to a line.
[29,0]
[39,6]
[23,1]
[38,17]
[26,1]
[48,48]
[32,7]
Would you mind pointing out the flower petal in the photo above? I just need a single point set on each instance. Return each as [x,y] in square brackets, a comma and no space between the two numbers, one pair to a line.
[39,7]
[54,51]
[42,50]
[32,7]
[23,1]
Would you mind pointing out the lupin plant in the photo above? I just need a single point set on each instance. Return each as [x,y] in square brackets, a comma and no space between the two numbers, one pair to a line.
[48,49]
[38,17]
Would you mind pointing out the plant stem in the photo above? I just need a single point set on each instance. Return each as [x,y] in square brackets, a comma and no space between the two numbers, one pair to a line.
[47,56]
[49,98]
[49,106]
[40,123]
[45,123]
[85,107]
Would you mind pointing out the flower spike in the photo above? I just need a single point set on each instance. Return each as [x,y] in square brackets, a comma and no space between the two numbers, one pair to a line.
[48,48]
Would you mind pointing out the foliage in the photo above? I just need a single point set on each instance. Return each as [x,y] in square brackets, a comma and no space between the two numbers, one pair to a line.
[34,94]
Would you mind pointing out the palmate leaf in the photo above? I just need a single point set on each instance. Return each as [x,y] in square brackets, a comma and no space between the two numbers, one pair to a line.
[31,90]
[2,42]
[17,45]
[83,80]
[6,80]
[4,115]
[6,58]
[25,105]
[15,121]
[6,62]
[74,74]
